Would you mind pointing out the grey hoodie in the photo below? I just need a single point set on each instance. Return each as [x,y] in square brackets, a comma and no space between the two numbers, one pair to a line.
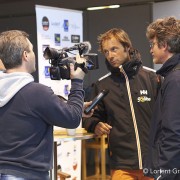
[11,83]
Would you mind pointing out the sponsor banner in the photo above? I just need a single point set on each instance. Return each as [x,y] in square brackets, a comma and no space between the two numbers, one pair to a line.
[56,28]
[75,38]
[59,28]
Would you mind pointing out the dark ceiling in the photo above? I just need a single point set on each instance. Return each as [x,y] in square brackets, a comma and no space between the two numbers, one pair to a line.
[83,4]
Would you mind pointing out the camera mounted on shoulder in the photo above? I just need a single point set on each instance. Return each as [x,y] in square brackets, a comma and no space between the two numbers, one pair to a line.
[60,61]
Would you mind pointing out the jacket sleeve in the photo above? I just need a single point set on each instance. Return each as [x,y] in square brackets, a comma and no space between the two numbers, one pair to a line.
[99,114]
[169,145]
[48,107]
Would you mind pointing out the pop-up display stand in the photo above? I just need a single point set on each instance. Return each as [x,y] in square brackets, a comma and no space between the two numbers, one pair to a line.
[59,28]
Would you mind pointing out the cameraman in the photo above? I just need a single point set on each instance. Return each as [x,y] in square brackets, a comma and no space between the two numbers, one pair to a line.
[28,111]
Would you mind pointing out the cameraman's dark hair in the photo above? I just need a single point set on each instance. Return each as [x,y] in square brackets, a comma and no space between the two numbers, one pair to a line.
[12,45]
[123,38]
[166,30]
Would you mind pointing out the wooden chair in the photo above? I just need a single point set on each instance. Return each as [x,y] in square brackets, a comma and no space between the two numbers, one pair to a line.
[62,175]
[99,144]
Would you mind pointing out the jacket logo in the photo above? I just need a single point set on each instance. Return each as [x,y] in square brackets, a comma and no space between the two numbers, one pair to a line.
[143,97]
[143,92]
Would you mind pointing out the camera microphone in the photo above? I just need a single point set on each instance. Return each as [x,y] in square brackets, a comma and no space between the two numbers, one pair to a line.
[83,48]
[96,100]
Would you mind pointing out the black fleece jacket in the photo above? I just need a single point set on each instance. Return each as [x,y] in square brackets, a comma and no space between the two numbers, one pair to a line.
[115,110]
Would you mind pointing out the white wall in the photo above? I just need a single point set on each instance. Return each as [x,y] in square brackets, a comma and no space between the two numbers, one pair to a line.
[164,9]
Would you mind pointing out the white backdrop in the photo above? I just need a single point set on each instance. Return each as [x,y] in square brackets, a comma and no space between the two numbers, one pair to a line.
[59,28]
[164,9]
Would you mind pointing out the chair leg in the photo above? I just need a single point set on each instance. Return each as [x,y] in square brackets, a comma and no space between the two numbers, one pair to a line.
[97,170]
[103,159]
[84,170]
[55,160]
[63,175]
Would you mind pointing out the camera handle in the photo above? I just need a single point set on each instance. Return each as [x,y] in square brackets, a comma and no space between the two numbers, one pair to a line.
[82,66]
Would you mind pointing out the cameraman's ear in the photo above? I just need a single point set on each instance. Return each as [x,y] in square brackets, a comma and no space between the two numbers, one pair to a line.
[25,56]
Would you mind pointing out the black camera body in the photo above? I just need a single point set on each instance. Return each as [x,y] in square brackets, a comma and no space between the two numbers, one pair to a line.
[60,61]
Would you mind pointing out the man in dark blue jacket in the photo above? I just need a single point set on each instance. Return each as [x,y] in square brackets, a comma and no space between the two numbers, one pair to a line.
[28,111]
[164,152]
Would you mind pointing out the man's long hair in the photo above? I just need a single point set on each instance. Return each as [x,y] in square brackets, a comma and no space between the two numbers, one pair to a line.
[122,37]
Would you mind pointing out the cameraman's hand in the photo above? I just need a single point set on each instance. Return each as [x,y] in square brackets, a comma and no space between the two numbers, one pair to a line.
[86,104]
[78,73]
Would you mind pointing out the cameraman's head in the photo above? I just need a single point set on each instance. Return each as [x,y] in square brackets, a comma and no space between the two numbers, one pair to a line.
[16,51]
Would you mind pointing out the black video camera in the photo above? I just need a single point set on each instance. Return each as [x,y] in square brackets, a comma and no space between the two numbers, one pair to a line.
[60,60]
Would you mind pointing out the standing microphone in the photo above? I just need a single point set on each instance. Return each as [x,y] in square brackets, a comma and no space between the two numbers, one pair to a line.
[96,100]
